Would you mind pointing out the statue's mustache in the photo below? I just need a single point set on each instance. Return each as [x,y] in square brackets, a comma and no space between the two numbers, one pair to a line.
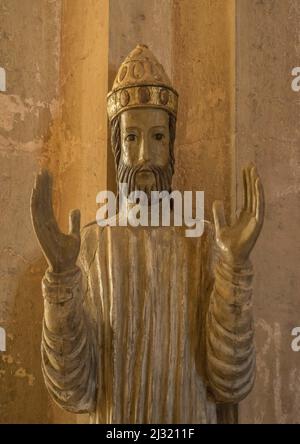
[146,167]
[163,175]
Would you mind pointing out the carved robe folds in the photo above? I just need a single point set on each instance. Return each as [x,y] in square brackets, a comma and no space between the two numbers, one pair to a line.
[151,328]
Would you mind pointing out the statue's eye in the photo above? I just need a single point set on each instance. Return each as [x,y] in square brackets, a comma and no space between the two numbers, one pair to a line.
[130,138]
[158,136]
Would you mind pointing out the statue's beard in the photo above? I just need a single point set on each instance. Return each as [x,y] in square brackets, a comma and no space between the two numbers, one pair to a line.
[160,177]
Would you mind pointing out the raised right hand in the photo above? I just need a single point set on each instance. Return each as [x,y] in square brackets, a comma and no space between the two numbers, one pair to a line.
[61,250]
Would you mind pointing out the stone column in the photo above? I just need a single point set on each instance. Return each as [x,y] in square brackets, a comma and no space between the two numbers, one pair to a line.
[203,70]
[78,147]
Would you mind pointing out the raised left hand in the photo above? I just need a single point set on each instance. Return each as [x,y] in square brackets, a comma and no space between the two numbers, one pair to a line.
[236,241]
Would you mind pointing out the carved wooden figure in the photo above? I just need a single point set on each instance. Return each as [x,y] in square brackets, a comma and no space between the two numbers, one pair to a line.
[145,325]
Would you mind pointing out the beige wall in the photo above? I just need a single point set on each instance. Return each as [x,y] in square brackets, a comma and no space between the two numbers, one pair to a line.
[27,108]
[53,115]
[203,53]
[81,156]
[268,133]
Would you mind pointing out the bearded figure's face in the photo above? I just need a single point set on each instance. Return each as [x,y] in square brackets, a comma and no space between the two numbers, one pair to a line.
[142,140]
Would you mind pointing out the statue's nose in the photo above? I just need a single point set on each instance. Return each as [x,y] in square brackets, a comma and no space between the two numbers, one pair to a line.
[144,151]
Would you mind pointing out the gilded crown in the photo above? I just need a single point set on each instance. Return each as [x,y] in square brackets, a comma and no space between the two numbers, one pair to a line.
[141,82]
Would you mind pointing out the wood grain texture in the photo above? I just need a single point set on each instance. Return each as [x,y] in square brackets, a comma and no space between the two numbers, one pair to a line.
[128,343]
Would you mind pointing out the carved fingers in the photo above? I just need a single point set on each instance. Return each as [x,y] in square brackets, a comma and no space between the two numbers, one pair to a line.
[61,250]
[36,205]
[41,199]
[249,199]
[219,215]
[42,214]
[253,194]
[260,202]
[74,223]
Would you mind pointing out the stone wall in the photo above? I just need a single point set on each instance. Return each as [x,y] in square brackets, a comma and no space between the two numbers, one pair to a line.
[27,109]
[53,114]
[268,133]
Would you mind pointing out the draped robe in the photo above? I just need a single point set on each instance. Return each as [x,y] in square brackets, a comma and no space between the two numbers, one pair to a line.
[151,327]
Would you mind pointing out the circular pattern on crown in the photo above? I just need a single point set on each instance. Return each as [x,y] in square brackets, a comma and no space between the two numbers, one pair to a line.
[141,81]
[144,94]
[164,96]
[124,97]
[122,73]
[141,68]
[138,70]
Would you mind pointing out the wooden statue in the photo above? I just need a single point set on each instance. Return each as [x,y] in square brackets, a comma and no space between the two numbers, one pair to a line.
[144,324]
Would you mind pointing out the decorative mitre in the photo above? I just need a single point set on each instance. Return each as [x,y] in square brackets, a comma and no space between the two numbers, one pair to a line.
[141,82]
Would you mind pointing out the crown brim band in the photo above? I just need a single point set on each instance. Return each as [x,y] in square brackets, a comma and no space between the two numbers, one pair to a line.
[142,96]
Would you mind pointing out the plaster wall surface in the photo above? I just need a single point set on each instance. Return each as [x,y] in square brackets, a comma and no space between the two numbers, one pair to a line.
[53,115]
[268,111]
[29,53]
[203,71]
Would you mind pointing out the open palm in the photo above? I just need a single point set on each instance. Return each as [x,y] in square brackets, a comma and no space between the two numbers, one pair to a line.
[61,250]
[236,241]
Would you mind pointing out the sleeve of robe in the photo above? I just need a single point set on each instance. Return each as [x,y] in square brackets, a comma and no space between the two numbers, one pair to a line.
[230,351]
[68,352]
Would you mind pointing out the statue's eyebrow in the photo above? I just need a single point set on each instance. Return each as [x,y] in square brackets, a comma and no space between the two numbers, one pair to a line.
[159,127]
[131,128]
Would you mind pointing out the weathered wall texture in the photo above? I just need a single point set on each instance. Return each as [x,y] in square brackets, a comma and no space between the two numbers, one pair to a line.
[203,72]
[81,153]
[268,134]
[53,115]
[27,108]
